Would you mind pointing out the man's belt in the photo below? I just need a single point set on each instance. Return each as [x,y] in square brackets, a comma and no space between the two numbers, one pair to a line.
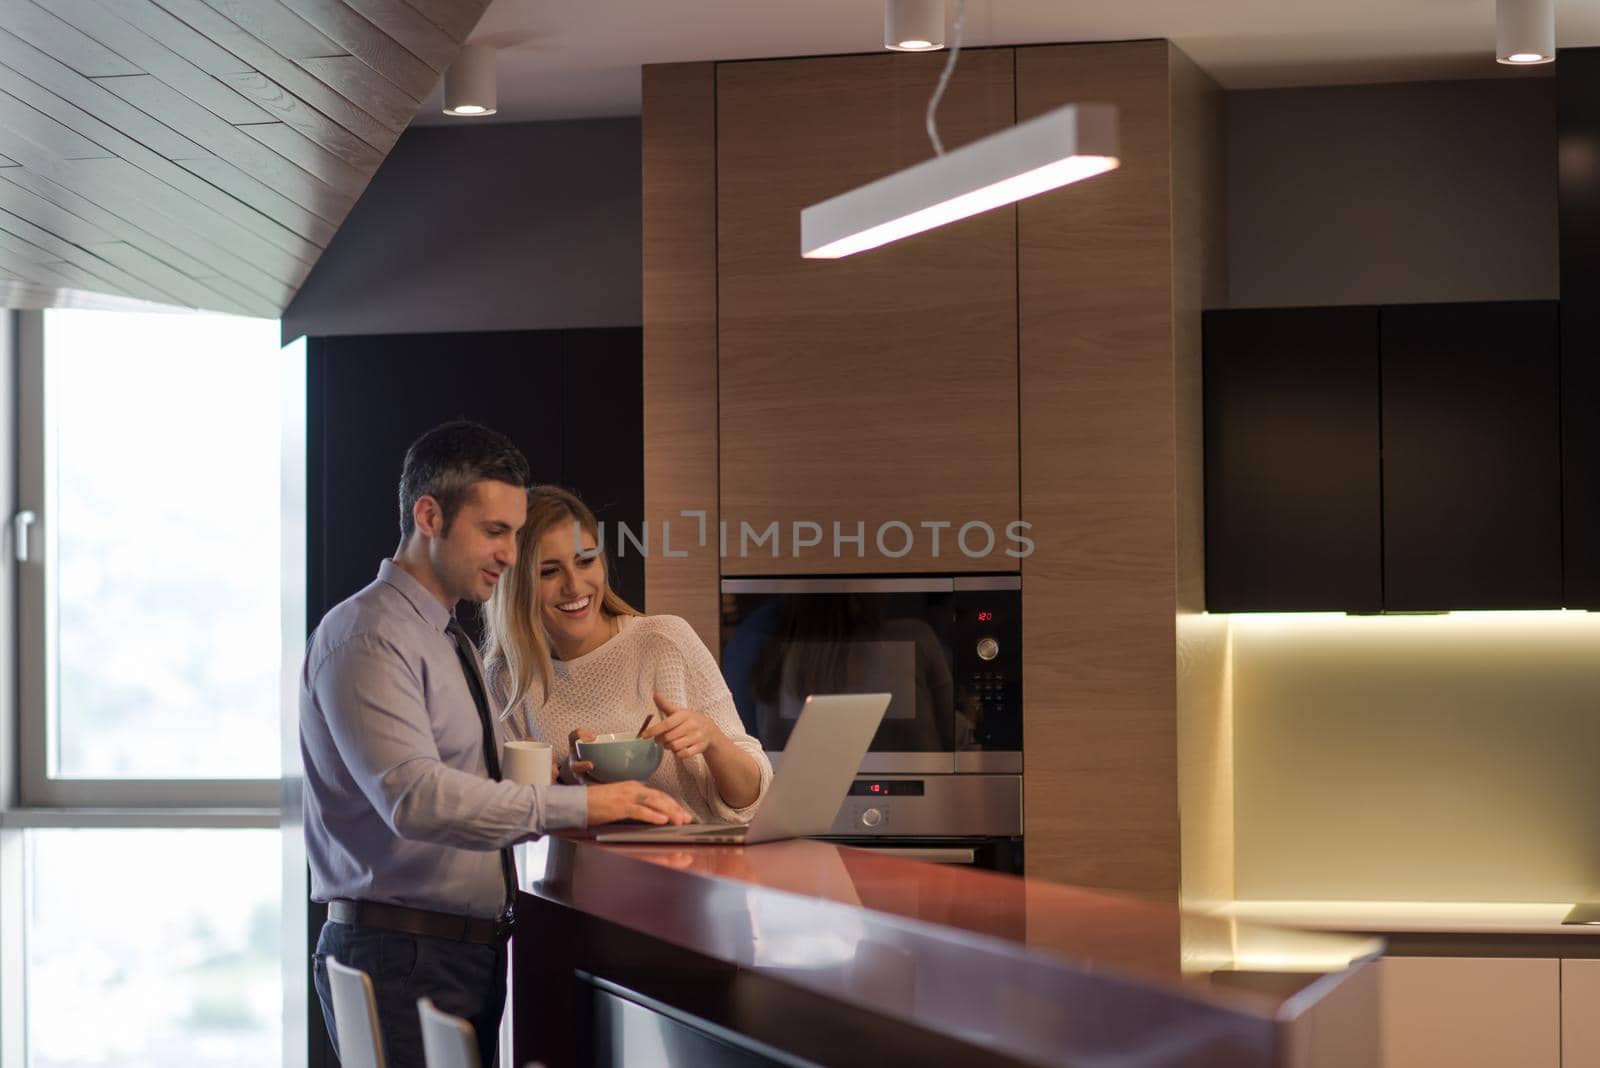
[425,922]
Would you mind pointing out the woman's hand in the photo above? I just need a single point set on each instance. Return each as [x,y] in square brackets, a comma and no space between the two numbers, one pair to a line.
[574,771]
[683,732]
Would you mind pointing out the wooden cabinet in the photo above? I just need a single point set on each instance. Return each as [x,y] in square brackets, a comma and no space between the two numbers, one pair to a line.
[1471,457]
[877,389]
[1293,486]
[1404,458]
[1471,1012]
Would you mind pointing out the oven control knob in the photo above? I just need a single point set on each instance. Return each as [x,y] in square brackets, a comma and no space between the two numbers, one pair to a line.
[872,817]
[988,648]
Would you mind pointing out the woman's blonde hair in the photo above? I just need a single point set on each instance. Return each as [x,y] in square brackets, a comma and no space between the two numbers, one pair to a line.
[516,648]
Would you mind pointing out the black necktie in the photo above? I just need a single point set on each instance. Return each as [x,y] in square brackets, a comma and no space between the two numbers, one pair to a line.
[491,752]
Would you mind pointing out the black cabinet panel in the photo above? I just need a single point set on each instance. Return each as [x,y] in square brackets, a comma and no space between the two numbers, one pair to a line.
[1471,456]
[571,400]
[603,442]
[1578,123]
[1291,460]
[372,396]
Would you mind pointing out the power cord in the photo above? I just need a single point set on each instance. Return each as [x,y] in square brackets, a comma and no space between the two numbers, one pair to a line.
[944,79]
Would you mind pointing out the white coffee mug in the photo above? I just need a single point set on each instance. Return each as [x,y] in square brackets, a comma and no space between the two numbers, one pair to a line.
[528,763]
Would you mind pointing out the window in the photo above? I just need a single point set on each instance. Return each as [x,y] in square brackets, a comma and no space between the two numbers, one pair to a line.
[194,981]
[160,625]
[152,609]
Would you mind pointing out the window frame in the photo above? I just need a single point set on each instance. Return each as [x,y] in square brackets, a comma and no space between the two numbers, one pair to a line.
[253,799]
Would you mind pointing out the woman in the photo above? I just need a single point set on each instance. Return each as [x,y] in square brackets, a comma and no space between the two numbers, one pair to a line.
[563,650]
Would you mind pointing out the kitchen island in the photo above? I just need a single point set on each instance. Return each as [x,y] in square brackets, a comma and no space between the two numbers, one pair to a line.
[806,952]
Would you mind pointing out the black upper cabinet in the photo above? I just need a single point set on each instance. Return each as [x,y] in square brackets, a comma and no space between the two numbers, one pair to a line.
[1403,459]
[1291,460]
[1578,125]
[1471,456]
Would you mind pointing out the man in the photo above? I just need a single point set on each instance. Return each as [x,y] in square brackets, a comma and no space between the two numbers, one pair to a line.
[407,831]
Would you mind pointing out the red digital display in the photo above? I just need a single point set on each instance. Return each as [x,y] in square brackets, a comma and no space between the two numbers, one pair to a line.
[985,617]
[876,788]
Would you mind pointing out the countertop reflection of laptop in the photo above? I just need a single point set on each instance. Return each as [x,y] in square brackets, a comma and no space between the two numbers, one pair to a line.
[820,758]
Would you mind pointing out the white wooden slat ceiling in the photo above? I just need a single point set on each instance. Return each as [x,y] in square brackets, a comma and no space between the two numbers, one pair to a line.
[199,152]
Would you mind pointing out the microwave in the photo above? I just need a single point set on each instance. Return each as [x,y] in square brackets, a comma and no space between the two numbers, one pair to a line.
[948,649]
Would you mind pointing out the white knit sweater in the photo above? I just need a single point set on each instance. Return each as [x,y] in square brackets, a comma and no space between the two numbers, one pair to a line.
[609,690]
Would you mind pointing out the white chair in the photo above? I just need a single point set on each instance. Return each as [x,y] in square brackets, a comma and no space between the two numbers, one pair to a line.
[355,1016]
[447,1041]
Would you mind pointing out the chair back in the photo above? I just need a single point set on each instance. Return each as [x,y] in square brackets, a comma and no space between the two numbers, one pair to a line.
[447,1041]
[355,1016]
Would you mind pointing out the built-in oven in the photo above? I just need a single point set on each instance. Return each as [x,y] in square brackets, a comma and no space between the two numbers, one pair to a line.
[943,777]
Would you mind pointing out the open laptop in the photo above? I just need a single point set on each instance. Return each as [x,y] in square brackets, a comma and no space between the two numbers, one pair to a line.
[822,755]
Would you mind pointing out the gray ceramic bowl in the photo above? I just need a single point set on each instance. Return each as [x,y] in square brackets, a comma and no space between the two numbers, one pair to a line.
[619,757]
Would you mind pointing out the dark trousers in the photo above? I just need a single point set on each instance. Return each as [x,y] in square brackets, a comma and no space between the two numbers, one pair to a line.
[462,978]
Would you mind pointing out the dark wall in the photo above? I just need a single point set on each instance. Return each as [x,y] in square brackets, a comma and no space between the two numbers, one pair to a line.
[570,399]
[510,226]
[1392,194]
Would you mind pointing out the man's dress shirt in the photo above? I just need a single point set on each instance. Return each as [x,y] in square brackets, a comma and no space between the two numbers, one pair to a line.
[399,807]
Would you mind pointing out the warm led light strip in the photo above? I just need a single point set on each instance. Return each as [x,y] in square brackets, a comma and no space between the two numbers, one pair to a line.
[1066,145]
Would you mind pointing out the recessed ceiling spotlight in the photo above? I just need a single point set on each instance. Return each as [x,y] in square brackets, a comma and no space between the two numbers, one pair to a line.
[913,25]
[469,84]
[1525,32]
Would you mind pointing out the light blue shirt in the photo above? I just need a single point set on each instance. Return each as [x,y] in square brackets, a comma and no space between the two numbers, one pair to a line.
[399,807]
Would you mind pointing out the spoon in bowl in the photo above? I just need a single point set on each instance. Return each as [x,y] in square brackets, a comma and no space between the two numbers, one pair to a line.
[645,724]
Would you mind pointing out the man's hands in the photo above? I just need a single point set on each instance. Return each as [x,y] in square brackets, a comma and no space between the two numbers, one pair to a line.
[633,801]
[683,732]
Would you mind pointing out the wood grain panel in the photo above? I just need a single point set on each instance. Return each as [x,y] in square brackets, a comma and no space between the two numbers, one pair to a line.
[199,152]
[1204,697]
[62,93]
[75,219]
[455,19]
[42,29]
[275,26]
[45,135]
[69,226]
[382,54]
[1099,486]
[190,291]
[292,111]
[330,196]
[413,32]
[680,336]
[181,38]
[878,388]
[157,59]
[352,77]
[124,185]
[271,64]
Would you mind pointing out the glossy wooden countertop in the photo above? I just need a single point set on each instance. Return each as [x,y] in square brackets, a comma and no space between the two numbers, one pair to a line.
[1028,966]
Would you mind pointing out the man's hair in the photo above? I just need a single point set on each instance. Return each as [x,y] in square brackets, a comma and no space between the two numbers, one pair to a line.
[445,462]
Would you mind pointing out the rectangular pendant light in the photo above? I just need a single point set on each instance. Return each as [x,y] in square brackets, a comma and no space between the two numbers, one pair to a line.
[1065,145]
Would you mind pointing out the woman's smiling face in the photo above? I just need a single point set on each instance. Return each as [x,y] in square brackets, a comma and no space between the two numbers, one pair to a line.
[572,586]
